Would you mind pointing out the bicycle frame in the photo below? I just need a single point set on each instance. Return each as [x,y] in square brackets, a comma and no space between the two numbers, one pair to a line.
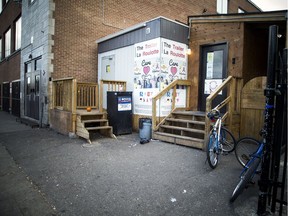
[217,128]
[257,154]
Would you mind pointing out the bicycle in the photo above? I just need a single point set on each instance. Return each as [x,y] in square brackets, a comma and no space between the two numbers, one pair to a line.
[252,165]
[245,147]
[220,139]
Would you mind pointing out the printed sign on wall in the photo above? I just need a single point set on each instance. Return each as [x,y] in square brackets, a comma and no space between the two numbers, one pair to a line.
[157,63]
[211,85]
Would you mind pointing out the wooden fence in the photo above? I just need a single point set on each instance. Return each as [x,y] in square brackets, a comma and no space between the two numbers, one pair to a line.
[68,95]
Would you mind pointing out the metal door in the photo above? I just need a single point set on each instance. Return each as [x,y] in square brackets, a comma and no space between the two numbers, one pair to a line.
[32,89]
[213,70]
[6,96]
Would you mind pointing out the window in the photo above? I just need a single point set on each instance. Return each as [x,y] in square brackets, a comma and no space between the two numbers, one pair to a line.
[222,6]
[18,26]
[2,4]
[38,64]
[8,43]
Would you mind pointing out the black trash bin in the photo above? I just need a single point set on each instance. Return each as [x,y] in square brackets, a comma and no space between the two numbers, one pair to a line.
[145,129]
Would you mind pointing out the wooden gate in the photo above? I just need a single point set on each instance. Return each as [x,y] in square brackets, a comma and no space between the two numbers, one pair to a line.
[252,107]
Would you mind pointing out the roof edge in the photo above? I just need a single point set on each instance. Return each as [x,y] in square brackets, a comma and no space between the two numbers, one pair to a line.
[277,15]
[133,28]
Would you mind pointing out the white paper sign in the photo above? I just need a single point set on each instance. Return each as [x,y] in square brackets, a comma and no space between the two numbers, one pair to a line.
[211,85]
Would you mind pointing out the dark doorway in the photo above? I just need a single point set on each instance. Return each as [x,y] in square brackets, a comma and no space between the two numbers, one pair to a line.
[6,97]
[213,70]
[16,98]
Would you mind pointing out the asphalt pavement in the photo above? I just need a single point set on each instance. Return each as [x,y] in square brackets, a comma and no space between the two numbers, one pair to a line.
[45,173]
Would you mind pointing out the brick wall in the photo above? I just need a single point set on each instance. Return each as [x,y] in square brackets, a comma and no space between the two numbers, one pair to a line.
[78,24]
[9,67]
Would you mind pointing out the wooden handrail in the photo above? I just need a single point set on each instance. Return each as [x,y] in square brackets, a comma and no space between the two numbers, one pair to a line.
[226,101]
[173,86]
[113,85]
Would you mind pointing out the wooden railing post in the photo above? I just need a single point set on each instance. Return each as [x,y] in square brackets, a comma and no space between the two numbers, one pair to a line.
[74,105]
[154,115]
[174,97]
[101,96]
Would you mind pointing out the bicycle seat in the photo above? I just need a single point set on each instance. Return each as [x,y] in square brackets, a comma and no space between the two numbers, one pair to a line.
[213,114]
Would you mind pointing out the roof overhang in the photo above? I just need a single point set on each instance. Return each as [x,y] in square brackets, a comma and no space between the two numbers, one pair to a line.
[241,17]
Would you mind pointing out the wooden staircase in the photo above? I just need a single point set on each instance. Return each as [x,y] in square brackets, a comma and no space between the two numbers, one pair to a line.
[89,122]
[183,128]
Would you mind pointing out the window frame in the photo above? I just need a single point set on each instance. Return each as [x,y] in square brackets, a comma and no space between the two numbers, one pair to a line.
[7,52]
[17,38]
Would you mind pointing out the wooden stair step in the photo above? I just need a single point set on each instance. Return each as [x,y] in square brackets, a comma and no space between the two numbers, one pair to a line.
[179,136]
[190,113]
[181,140]
[98,128]
[94,120]
[182,128]
[186,121]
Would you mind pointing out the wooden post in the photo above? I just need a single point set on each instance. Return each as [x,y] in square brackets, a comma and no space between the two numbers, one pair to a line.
[173,97]
[188,97]
[74,105]
[154,114]
[101,96]
[231,105]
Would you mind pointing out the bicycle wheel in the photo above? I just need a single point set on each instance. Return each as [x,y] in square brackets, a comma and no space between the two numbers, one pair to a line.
[245,178]
[227,140]
[212,150]
[245,147]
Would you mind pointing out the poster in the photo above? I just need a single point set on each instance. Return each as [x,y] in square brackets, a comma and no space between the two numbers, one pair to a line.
[157,63]
[211,85]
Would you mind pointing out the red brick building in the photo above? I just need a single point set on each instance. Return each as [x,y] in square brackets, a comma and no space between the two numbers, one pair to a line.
[78,25]
[10,47]
[59,41]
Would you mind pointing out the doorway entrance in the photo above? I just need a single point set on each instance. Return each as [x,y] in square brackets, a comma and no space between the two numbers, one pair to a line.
[213,71]
[32,88]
